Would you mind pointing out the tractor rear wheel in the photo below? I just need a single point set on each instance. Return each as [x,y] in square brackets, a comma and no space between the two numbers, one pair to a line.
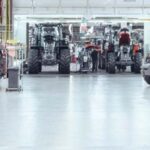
[147,79]
[64,62]
[1,65]
[111,63]
[123,67]
[132,68]
[33,62]
[138,63]
[40,67]
[101,62]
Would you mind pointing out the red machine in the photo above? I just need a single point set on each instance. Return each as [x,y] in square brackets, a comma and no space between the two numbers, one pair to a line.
[136,48]
[93,46]
[124,37]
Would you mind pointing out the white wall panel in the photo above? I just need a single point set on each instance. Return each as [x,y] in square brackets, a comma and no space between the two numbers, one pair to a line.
[36,11]
[129,11]
[22,3]
[42,11]
[83,11]
[73,3]
[101,11]
[46,3]
[79,7]
[101,3]
[20,31]
[74,11]
[82,3]
[129,3]
[146,37]
[147,3]
[147,11]
[22,11]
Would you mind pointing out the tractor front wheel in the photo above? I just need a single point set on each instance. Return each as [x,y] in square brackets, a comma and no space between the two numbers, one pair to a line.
[147,79]
[33,62]
[137,62]
[64,62]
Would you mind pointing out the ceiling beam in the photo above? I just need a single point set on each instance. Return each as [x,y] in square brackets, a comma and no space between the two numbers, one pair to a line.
[84,7]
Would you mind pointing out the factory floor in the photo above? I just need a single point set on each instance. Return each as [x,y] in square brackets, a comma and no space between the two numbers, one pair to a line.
[76,112]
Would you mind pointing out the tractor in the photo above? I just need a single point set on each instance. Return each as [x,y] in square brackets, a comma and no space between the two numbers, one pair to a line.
[49,45]
[123,54]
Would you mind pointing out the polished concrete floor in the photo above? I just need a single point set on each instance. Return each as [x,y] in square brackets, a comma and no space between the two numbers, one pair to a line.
[76,112]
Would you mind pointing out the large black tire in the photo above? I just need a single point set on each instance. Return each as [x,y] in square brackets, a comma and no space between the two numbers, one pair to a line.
[33,62]
[147,79]
[64,62]
[123,67]
[1,65]
[102,62]
[138,62]
[40,67]
[132,68]
[111,63]
[119,67]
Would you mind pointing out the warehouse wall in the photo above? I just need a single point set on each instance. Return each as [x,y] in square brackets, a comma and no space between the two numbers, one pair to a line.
[82,7]
[20,31]
[147,36]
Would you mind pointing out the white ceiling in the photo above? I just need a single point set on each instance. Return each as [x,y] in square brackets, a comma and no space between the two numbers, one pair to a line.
[81,7]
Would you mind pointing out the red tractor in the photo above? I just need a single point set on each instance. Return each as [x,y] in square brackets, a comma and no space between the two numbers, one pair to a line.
[126,54]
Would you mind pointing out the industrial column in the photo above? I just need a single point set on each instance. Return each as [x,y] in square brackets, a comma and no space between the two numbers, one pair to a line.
[146,37]
[1,19]
[8,34]
[1,15]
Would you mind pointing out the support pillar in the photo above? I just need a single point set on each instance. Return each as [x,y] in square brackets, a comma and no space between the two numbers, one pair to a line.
[146,38]
[1,11]
[8,34]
